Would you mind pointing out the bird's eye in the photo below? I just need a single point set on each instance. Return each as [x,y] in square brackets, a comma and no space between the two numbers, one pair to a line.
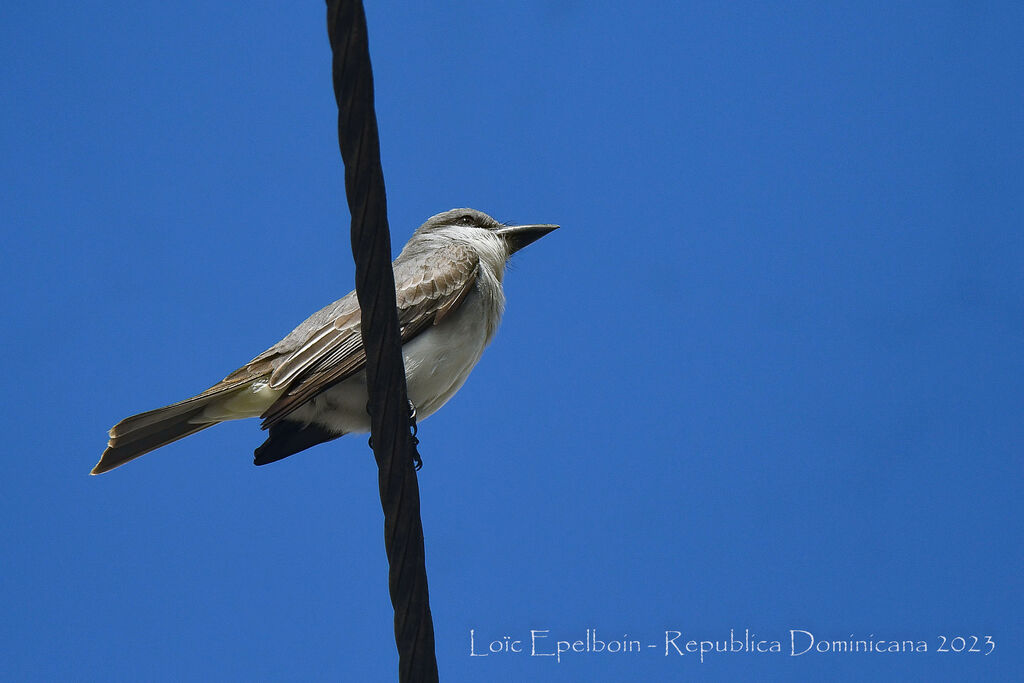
[465,219]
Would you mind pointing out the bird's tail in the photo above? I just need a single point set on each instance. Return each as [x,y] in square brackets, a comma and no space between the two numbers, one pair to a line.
[142,433]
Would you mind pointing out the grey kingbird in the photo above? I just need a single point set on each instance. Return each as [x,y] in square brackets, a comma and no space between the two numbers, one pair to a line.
[310,387]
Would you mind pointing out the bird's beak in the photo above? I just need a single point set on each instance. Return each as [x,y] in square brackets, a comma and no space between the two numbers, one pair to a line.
[519,236]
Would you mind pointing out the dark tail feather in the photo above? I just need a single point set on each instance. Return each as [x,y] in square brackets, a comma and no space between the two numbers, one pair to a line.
[140,434]
[287,438]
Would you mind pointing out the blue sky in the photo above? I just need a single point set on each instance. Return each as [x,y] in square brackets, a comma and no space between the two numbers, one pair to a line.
[768,375]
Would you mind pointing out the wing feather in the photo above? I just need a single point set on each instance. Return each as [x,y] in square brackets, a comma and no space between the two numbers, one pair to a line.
[428,290]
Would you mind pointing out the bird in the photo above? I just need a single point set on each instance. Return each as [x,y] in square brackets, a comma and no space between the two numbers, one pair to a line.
[310,387]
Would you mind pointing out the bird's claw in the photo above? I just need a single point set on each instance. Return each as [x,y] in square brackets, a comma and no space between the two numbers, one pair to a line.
[417,461]
[412,417]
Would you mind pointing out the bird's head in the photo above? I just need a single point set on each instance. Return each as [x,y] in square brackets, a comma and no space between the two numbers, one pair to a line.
[479,229]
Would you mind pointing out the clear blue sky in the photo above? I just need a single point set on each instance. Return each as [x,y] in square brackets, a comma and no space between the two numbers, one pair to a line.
[768,376]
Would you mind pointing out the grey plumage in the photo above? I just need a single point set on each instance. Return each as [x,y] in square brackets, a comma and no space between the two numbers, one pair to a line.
[310,387]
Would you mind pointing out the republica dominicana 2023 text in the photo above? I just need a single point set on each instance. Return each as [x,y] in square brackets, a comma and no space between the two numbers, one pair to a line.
[676,643]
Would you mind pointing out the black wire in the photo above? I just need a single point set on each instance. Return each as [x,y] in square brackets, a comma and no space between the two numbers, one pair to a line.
[394,445]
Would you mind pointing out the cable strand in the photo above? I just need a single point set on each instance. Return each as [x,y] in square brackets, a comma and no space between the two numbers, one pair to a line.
[392,438]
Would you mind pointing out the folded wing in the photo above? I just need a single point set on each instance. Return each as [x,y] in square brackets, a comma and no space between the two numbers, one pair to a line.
[427,289]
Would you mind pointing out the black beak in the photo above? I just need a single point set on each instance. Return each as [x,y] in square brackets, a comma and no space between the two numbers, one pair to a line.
[519,236]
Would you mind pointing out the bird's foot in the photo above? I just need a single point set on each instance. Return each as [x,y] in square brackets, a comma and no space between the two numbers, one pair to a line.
[417,461]
[412,417]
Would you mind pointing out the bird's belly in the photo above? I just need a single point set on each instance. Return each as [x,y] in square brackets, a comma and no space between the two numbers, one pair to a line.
[437,363]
